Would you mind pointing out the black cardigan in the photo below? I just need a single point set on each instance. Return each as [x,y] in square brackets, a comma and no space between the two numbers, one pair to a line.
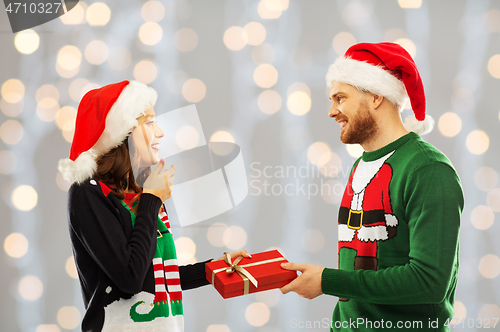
[115,260]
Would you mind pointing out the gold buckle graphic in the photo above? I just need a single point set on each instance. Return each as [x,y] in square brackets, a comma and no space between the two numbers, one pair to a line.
[360,219]
[159,234]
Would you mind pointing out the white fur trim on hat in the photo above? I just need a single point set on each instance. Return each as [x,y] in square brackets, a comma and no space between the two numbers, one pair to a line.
[134,99]
[420,127]
[367,77]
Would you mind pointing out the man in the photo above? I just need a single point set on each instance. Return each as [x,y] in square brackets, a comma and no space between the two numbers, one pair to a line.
[399,218]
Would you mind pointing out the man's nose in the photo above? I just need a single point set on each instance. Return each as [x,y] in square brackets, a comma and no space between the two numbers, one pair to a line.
[333,112]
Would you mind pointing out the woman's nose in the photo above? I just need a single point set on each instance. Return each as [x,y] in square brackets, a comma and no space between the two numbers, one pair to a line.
[158,132]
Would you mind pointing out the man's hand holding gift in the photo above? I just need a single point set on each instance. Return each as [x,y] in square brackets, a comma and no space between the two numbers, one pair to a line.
[308,284]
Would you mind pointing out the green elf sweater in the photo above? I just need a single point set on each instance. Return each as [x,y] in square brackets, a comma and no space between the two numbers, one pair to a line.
[398,229]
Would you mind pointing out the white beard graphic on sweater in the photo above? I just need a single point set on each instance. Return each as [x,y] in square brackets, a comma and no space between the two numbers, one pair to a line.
[117,316]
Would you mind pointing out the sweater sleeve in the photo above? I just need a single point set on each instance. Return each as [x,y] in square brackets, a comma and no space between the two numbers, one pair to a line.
[434,202]
[193,275]
[96,223]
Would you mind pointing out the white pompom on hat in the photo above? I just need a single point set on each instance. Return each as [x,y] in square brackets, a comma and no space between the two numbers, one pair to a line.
[105,117]
[388,70]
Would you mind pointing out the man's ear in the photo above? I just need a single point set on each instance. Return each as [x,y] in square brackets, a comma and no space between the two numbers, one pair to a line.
[376,101]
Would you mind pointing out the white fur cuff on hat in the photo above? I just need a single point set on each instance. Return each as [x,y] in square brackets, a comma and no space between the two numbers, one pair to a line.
[367,77]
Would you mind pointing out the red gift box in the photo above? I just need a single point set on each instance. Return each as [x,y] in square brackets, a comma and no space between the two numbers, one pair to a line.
[264,267]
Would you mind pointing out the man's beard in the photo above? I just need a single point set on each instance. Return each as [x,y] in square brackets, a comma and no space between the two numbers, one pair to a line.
[360,128]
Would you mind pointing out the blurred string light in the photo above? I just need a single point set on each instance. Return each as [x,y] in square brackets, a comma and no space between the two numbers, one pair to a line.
[257,314]
[13,91]
[11,132]
[194,90]
[186,249]
[234,237]
[235,38]
[8,162]
[69,317]
[47,97]
[11,110]
[494,66]
[222,136]
[70,268]
[410,3]
[450,124]
[489,266]
[489,314]
[492,20]
[354,150]
[27,41]
[76,15]
[145,71]
[150,33]
[30,288]
[263,53]
[493,199]
[152,11]
[76,89]
[48,327]
[24,198]
[482,217]
[256,33]
[342,41]
[269,102]
[98,14]
[218,328]
[272,9]
[265,75]
[16,245]
[477,142]
[96,52]
[486,178]
[318,153]
[68,61]
[460,312]
[299,103]
[408,45]
[187,137]
[186,40]
[270,298]
[215,234]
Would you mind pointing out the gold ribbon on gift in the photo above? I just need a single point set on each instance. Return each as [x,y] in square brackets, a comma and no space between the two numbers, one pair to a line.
[240,269]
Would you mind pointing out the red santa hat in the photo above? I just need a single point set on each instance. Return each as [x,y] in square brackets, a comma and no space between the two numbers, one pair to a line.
[105,118]
[387,70]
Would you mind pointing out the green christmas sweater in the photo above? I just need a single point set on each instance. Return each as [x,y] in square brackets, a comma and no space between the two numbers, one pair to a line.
[398,230]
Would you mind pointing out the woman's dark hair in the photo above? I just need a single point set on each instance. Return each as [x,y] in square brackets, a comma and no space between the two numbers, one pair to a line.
[115,170]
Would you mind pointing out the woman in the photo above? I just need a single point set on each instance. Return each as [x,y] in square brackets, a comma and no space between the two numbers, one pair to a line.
[119,229]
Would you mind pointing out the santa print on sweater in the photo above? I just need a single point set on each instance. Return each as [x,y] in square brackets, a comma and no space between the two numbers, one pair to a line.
[365,215]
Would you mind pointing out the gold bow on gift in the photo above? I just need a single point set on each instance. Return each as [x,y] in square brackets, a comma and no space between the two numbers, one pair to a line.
[240,269]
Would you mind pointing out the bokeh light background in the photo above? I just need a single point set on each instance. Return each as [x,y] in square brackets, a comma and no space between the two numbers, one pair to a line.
[255,70]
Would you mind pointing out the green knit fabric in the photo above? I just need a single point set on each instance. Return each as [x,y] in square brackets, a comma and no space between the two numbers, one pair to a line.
[165,249]
[416,270]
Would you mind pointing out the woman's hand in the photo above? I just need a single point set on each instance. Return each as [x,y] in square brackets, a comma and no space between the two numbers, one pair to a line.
[236,254]
[160,183]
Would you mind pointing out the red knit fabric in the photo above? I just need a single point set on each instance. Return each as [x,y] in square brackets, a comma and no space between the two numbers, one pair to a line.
[394,58]
[91,116]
